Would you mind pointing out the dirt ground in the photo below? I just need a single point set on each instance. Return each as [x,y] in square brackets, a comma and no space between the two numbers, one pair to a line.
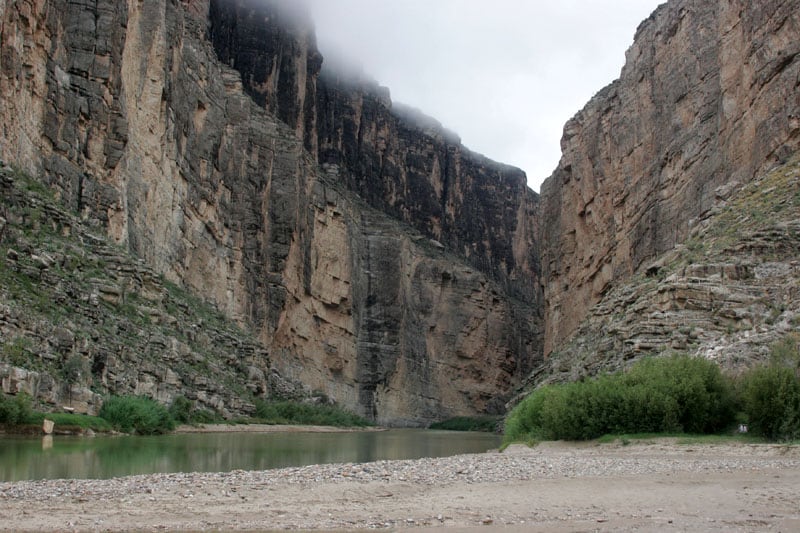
[649,486]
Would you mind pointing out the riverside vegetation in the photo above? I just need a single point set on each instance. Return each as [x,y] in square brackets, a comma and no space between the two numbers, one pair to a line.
[144,416]
[677,394]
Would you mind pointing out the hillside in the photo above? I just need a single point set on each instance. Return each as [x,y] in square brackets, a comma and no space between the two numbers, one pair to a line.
[81,318]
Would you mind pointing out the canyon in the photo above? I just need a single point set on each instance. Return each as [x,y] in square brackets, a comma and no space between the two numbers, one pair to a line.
[359,251]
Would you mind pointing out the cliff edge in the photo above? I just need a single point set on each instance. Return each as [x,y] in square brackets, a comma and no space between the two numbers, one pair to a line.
[707,100]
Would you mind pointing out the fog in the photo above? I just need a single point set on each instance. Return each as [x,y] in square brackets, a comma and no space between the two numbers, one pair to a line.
[503,75]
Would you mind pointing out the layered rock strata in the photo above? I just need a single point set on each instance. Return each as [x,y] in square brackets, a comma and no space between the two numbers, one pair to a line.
[708,98]
[730,293]
[212,173]
[80,319]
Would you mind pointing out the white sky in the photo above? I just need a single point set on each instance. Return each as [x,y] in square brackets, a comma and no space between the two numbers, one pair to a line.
[505,75]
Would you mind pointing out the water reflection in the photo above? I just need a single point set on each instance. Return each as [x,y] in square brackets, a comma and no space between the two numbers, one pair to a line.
[104,457]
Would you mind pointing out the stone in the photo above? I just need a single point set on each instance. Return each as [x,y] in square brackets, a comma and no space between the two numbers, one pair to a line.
[729,308]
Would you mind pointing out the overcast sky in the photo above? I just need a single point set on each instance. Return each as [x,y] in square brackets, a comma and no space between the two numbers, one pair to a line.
[505,75]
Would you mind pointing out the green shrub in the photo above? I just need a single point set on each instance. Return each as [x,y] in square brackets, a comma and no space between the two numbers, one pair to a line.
[181,409]
[137,414]
[668,394]
[771,402]
[15,410]
[770,394]
[786,352]
[205,416]
[24,411]
[289,412]
[687,394]
[525,421]
[17,352]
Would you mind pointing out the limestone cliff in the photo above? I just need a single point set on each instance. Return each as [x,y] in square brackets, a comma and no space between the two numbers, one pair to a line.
[397,159]
[80,319]
[709,97]
[407,307]
[728,293]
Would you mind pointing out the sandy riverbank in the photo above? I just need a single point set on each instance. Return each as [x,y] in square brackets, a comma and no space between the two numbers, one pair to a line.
[656,486]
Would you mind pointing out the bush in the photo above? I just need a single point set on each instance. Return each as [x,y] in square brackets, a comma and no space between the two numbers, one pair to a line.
[181,409]
[668,394]
[288,412]
[684,393]
[15,410]
[786,352]
[137,414]
[525,420]
[205,416]
[771,402]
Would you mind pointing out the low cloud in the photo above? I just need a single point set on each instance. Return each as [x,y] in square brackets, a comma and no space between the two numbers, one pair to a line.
[505,75]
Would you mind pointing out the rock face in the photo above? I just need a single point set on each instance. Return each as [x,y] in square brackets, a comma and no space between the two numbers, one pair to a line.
[400,161]
[708,98]
[729,293]
[80,319]
[378,261]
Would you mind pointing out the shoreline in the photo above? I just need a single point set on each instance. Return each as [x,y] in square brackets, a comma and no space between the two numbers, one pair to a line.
[642,486]
[269,428]
[32,430]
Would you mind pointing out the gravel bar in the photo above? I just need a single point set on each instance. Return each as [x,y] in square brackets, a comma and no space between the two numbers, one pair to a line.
[545,485]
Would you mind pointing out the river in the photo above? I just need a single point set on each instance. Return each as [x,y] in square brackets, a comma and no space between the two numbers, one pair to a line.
[101,457]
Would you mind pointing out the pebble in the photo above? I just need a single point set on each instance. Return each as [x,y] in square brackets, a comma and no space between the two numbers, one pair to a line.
[513,465]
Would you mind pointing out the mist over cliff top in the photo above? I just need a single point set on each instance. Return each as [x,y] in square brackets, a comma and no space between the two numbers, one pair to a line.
[505,76]
[342,70]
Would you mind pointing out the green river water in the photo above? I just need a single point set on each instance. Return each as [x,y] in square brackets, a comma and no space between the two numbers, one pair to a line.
[112,456]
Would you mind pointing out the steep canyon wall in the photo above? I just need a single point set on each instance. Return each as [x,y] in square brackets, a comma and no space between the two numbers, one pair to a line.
[708,98]
[259,187]
[397,159]
[378,260]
